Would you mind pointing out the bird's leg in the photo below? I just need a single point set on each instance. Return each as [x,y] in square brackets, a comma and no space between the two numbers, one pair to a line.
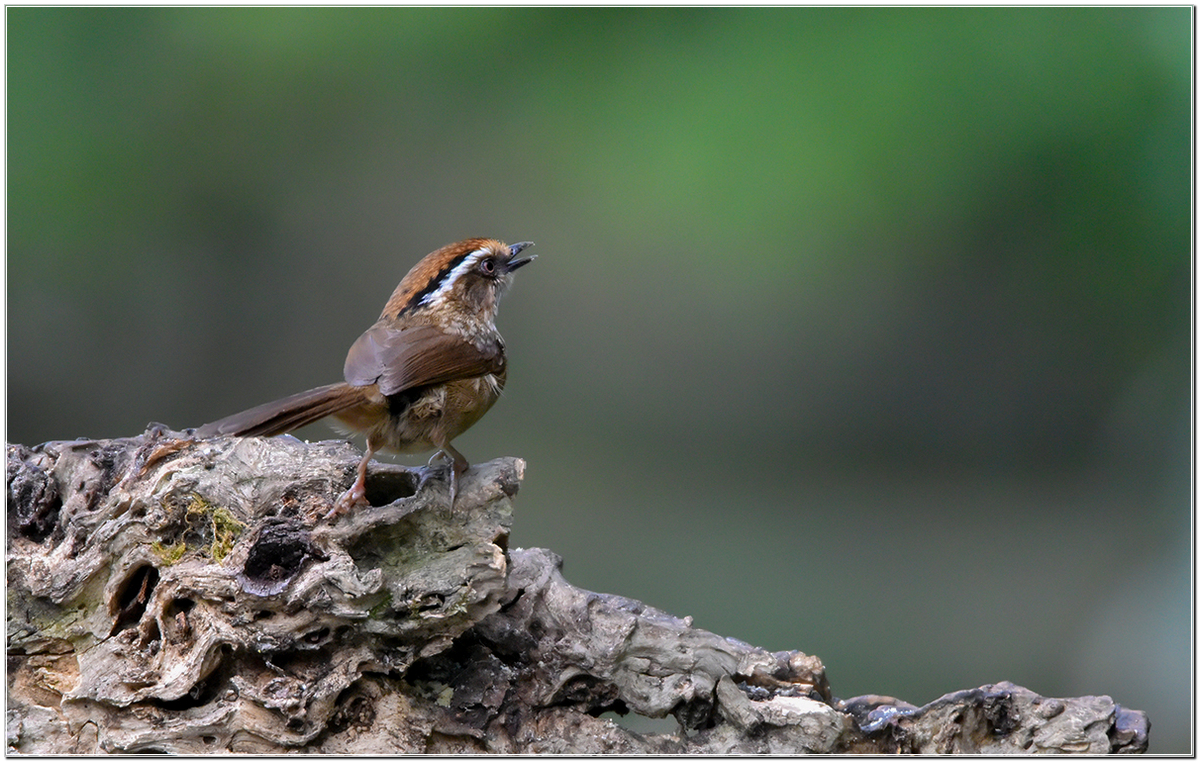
[357,492]
[458,466]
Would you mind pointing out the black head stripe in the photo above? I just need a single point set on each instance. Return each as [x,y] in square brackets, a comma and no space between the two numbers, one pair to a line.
[434,283]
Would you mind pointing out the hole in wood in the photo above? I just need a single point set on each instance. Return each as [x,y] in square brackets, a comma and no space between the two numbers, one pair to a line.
[179,605]
[639,723]
[208,688]
[355,707]
[387,485]
[132,596]
[278,554]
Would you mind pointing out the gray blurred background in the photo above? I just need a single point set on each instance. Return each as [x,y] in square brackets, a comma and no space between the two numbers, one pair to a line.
[864,332]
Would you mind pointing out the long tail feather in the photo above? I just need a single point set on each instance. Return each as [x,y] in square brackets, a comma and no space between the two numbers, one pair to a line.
[284,415]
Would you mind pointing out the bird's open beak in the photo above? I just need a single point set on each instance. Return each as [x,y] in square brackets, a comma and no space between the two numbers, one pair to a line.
[516,248]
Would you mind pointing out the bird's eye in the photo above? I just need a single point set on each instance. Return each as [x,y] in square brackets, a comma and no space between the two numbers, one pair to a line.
[487,266]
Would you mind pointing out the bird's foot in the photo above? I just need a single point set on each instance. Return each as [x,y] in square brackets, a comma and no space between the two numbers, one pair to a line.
[451,464]
[355,495]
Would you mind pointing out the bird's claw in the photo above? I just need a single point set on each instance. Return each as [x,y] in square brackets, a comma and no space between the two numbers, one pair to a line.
[452,467]
[355,495]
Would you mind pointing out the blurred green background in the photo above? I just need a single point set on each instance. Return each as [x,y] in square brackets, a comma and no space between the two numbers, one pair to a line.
[864,332]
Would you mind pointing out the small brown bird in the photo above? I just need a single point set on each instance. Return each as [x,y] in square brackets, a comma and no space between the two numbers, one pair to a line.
[426,371]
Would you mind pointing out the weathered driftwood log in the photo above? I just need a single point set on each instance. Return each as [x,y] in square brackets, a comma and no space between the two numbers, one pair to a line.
[173,595]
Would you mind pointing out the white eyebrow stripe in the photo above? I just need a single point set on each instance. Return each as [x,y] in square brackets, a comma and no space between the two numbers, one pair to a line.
[447,282]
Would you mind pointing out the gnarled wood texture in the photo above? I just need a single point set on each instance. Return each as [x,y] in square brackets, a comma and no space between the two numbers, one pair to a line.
[185,596]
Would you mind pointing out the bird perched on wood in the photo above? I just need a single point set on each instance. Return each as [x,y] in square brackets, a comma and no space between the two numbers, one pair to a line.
[426,371]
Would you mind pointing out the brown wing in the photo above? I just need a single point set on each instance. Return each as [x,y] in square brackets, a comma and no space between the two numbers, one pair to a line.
[398,359]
